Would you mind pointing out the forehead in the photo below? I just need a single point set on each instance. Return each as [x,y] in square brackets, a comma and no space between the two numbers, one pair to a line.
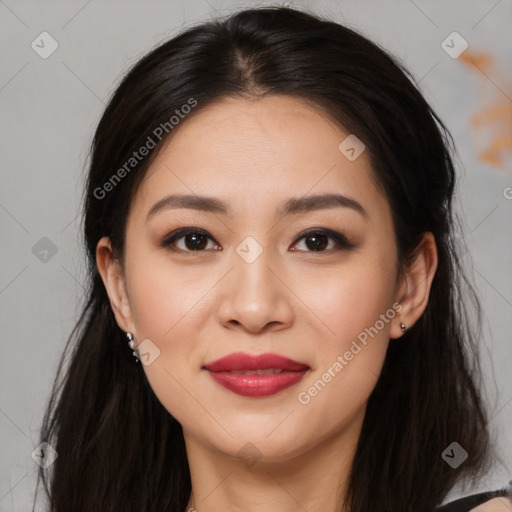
[253,154]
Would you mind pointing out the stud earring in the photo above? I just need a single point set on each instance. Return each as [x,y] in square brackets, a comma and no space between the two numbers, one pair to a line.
[402,326]
[131,343]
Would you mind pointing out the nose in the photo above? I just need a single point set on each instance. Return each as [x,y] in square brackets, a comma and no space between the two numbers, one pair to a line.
[255,297]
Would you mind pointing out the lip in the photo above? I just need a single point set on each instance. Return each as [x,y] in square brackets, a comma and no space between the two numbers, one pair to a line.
[256,385]
[242,361]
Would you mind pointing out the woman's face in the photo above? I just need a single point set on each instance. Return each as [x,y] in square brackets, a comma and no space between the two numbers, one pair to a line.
[255,284]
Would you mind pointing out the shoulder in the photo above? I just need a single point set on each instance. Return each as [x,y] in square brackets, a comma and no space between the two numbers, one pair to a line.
[490,501]
[494,505]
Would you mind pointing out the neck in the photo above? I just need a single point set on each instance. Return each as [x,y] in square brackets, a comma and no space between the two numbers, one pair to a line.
[314,480]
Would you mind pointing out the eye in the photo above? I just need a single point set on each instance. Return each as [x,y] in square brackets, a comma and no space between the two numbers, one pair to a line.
[317,240]
[194,239]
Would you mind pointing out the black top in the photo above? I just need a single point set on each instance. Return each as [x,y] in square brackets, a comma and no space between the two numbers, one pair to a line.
[470,502]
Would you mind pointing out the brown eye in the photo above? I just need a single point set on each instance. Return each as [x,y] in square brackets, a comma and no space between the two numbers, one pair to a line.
[193,240]
[317,240]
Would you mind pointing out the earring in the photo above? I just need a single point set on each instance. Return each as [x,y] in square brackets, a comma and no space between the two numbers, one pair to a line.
[402,326]
[131,343]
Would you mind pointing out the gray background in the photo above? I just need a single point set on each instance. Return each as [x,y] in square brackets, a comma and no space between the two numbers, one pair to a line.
[51,106]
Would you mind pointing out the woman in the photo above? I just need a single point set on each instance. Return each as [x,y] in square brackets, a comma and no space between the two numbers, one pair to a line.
[269,225]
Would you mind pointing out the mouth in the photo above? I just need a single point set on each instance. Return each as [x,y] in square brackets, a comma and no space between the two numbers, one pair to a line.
[256,376]
[267,371]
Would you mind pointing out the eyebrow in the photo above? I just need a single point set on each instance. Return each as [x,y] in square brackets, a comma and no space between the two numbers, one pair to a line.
[291,206]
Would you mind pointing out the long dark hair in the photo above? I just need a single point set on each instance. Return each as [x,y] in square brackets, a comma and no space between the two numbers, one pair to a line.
[118,448]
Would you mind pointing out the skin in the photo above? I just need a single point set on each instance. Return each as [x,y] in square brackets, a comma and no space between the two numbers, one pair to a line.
[309,306]
[494,505]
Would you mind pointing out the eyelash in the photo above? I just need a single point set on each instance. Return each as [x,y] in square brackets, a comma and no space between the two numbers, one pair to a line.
[340,240]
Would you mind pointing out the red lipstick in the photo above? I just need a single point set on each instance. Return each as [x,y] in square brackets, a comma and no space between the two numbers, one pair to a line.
[256,376]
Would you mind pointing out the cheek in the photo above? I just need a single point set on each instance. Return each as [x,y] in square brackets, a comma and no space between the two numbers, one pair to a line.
[155,303]
[164,302]
[350,298]
[359,311]
[354,309]
[161,294]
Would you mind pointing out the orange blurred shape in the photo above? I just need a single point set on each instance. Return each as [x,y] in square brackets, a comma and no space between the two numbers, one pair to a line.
[496,117]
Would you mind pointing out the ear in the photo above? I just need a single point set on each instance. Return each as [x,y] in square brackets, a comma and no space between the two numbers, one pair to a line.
[111,273]
[414,289]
